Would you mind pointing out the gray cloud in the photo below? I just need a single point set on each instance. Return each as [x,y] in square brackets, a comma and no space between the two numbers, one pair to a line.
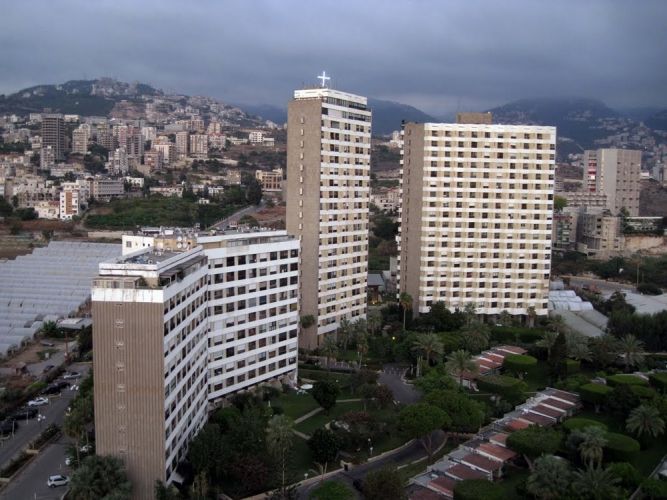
[428,53]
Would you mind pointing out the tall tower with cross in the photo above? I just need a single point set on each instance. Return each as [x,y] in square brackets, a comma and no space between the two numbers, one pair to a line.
[328,198]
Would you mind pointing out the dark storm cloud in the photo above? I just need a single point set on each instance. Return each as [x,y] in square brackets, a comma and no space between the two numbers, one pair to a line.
[432,54]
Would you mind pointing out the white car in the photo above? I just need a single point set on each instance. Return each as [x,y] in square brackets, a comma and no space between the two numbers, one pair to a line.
[71,375]
[38,402]
[57,480]
[86,448]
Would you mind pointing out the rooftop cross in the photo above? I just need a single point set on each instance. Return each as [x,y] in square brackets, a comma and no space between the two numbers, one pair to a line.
[324,79]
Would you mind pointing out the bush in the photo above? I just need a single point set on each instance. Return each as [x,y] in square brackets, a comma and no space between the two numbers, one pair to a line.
[649,289]
[654,488]
[628,474]
[595,394]
[573,383]
[575,423]
[515,334]
[572,366]
[625,379]
[474,489]
[643,392]
[14,465]
[621,447]
[519,364]
[46,434]
[659,381]
[510,388]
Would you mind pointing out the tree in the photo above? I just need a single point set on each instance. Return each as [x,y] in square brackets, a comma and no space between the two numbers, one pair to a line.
[199,488]
[325,393]
[332,490]
[428,344]
[6,208]
[344,332]
[164,492]
[470,313]
[645,421]
[324,446]
[559,203]
[604,350]
[419,421]
[534,441]
[577,346]
[206,451]
[279,440]
[253,193]
[383,396]
[548,341]
[476,336]
[558,356]
[531,315]
[329,349]
[384,484]
[307,321]
[405,301]
[632,350]
[459,363]
[249,221]
[591,445]
[476,489]
[50,329]
[550,478]
[98,477]
[374,320]
[595,483]
[466,415]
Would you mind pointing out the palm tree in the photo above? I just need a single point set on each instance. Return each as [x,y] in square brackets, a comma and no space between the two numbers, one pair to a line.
[470,313]
[632,350]
[405,300]
[531,314]
[476,336]
[360,328]
[577,345]
[428,344]
[459,362]
[344,332]
[362,346]
[595,483]
[604,350]
[547,341]
[50,329]
[645,420]
[550,478]
[329,349]
[557,324]
[505,318]
[591,448]
[374,320]
[279,439]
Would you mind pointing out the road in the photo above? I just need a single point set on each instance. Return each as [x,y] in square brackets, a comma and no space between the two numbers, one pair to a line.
[393,377]
[31,482]
[605,286]
[28,430]
[236,216]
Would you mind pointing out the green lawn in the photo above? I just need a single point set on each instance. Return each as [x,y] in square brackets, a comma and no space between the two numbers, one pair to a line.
[309,425]
[295,405]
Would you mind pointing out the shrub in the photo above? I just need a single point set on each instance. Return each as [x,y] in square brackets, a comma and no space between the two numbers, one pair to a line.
[643,392]
[474,489]
[575,423]
[14,465]
[649,289]
[628,474]
[510,388]
[659,381]
[572,366]
[621,447]
[573,383]
[516,334]
[595,394]
[520,364]
[654,488]
[625,379]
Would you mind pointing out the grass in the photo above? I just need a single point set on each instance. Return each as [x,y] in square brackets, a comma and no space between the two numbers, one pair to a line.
[295,405]
[309,425]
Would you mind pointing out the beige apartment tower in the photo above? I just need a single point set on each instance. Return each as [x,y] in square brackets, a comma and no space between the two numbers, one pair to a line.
[328,195]
[53,134]
[615,173]
[476,215]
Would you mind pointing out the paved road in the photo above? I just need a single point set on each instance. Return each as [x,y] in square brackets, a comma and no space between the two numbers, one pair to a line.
[236,216]
[393,377]
[603,285]
[28,430]
[31,483]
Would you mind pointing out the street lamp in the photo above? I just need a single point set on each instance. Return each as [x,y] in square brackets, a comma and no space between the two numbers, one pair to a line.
[40,418]
[370,447]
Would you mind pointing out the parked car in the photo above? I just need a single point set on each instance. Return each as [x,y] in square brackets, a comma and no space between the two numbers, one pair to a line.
[57,480]
[46,343]
[48,368]
[55,387]
[8,426]
[24,413]
[38,402]
[71,375]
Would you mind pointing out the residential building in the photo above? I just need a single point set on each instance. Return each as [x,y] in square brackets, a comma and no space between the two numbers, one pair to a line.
[70,201]
[256,137]
[119,161]
[80,139]
[53,134]
[152,161]
[47,209]
[199,146]
[328,194]
[617,174]
[167,148]
[386,199]
[271,181]
[564,235]
[182,143]
[150,348]
[599,234]
[176,331]
[476,215]
[586,199]
[47,158]
[105,189]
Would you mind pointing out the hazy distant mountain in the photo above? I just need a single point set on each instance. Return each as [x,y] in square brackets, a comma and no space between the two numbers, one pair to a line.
[387,115]
[579,119]
[640,114]
[657,120]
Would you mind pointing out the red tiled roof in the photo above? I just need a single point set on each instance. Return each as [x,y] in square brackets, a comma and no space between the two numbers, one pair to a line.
[500,438]
[537,419]
[463,472]
[511,348]
[557,403]
[499,452]
[443,484]
[549,412]
[567,396]
[482,462]
[516,424]
[494,356]
[422,493]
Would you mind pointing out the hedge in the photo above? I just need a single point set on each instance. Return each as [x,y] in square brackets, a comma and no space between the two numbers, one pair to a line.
[519,363]
[509,388]
[594,393]
[659,381]
[513,333]
[575,423]
[572,366]
[474,489]
[643,392]
[625,379]
[621,448]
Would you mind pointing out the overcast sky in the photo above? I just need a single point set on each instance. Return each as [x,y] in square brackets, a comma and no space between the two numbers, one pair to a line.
[437,55]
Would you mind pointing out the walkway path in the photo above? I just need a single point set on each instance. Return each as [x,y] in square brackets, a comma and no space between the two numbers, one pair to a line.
[393,376]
